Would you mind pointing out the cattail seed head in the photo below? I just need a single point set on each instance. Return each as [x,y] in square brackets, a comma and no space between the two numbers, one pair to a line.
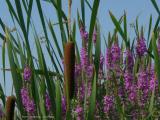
[10,105]
[69,66]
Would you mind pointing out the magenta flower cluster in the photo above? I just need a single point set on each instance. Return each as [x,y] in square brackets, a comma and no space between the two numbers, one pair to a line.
[27,102]
[27,73]
[48,102]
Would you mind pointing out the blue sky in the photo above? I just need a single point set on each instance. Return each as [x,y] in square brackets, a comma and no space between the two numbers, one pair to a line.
[133,8]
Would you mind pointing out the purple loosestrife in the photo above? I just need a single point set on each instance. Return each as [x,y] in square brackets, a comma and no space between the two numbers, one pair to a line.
[27,73]
[158,45]
[84,58]
[108,103]
[141,48]
[143,85]
[27,102]
[153,83]
[100,74]
[89,71]
[116,53]
[108,59]
[129,62]
[63,105]
[47,102]
[132,93]
[81,92]
[83,33]
[128,79]
[79,113]
[77,70]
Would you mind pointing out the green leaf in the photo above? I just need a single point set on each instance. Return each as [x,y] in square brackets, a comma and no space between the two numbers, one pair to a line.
[3,62]
[118,27]
[60,14]
[58,101]
[97,51]
[156,57]
[42,64]
[17,80]
[83,11]
[74,40]
[11,9]
[149,29]
[92,101]
[89,5]
[29,14]
[155,6]
[92,24]
[2,95]
[55,39]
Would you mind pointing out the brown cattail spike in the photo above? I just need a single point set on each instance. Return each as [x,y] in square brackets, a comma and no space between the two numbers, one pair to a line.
[69,64]
[10,105]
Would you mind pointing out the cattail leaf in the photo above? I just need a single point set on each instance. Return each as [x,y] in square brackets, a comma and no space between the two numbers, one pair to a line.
[42,64]
[55,39]
[4,62]
[97,51]
[21,18]
[156,58]
[83,11]
[118,27]
[92,100]
[156,6]
[92,24]
[88,4]
[74,40]
[61,11]
[42,20]
[58,101]
[125,26]
[2,95]
[59,15]
[149,29]
[17,80]
[29,11]
[11,9]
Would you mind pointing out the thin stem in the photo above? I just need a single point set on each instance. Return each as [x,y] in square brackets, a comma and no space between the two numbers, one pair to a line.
[69,17]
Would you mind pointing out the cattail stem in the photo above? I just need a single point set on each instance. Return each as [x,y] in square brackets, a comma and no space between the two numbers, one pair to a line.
[69,17]
[10,105]
[69,64]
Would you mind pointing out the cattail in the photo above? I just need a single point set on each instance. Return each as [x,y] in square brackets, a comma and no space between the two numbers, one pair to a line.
[69,66]
[10,105]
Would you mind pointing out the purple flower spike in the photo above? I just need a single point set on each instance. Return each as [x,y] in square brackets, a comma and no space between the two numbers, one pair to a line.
[84,58]
[141,48]
[48,102]
[108,103]
[84,34]
[129,60]
[27,73]
[63,105]
[116,52]
[30,108]
[128,77]
[79,112]
[26,101]
[108,58]
[158,45]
